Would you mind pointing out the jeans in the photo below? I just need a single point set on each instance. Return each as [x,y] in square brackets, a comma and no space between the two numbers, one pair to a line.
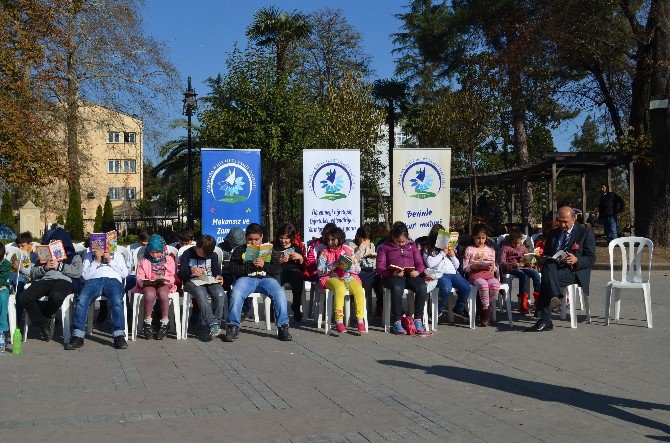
[522,275]
[245,286]
[54,290]
[611,228]
[397,286]
[92,289]
[210,302]
[445,283]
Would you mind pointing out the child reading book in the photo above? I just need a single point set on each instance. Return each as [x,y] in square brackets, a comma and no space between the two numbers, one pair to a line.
[400,252]
[292,260]
[200,270]
[366,256]
[4,296]
[155,280]
[516,263]
[338,271]
[479,266]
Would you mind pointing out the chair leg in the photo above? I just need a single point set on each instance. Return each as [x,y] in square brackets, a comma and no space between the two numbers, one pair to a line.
[508,301]
[617,303]
[579,300]
[125,317]
[176,309]
[434,301]
[137,320]
[573,308]
[451,302]
[11,311]
[585,299]
[66,316]
[254,302]
[646,288]
[608,301]
[317,308]
[327,308]
[267,304]
[494,305]
[185,315]
[347,309]
[472,302]
[387,310]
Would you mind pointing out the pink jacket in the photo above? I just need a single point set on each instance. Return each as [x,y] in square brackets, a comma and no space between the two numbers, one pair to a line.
[144,273]
[473,255]
[326,269]
[511,256]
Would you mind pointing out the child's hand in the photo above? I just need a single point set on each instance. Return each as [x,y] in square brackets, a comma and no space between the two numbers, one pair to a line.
[259,262]
[295,256]
[107,256]
[196,271]
[398,273]
[284,258]
[449,251]
[97,255]
[414,273]
[219,278]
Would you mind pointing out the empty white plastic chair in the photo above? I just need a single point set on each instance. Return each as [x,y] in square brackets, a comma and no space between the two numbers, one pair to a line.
[632,249]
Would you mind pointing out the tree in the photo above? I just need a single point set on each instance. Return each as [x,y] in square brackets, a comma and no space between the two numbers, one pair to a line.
[60,220]
[107,214]
[589,138]
[97,223]
[74,220]
[7,210]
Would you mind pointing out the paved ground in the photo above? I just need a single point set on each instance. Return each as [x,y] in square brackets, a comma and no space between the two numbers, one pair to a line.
[593,383]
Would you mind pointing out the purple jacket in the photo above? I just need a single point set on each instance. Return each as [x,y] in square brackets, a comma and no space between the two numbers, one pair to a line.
[511,256]
[406,256]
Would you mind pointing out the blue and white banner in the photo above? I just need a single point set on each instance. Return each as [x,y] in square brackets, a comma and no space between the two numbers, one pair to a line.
[332,190]
[422,180]
[231,190]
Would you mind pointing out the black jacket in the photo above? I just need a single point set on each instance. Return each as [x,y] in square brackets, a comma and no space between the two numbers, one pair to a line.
[609,204]
[189,258]
[582,245]
[240,268]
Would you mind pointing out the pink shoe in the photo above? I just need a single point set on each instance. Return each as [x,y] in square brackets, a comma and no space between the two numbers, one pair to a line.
[341,328]
[361,328]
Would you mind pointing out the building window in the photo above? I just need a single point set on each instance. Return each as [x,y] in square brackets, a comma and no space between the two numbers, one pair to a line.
[130,194]
[114,166]
[115,193]
[113,137]
[400,138]
[129,137]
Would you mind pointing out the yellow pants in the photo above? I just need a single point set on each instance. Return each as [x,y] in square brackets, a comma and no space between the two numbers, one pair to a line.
[339,288]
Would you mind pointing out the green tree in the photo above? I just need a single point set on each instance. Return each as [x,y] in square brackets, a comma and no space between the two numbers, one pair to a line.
[60,220]
[7,210]
[97,224]
[74,220]
[107,214]
[589,138]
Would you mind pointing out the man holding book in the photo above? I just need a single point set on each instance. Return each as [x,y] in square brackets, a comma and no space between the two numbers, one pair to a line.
[256,270]
[568,256]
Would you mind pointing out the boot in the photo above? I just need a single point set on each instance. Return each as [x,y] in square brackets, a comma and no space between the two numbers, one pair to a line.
[486,317]
[523,304]
[536,301]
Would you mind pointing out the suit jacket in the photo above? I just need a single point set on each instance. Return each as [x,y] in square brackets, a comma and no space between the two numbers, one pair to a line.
[582,245]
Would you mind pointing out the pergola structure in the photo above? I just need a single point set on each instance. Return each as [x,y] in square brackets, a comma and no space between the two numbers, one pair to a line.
[559,163]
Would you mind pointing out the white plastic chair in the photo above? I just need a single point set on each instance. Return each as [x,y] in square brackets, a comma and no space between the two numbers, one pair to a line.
[323,307]
[79,247]
[91,312]
[181,251]
[574,294]
[219,253]
[410,308]
[267,303]
[472,303]
[172,250]
[176,320]
[631,274]
[66,314]
[10,252]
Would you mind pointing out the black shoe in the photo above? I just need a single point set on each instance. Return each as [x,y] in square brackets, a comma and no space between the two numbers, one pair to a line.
[540,326]
[120,342]
[75,343]
[297,317]
[283,334]
[231,333]
[162,331]
[462,313]
[243,315]
[147,331]
[47,332]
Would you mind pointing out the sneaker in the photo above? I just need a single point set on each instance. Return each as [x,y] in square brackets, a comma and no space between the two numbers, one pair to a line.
[398,329]
[75,343]
[418,323]
[162,331]
[341,328]
[231,333]
[361,327]
[214,330]
[147,331]
[120,342]
[462,313]
[283,334]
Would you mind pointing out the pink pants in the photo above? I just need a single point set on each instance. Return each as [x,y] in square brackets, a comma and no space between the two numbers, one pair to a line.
[487,289]
[150,295]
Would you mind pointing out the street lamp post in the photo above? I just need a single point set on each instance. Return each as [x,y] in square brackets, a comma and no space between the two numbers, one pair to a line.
[190,105]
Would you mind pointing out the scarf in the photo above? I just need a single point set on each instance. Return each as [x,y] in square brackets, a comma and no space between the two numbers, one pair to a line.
[156,243]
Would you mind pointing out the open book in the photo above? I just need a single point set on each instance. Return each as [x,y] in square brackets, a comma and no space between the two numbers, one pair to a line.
[159,280]
[263,252]
[54,250]
[287,251]
[406,270]
[559,256]
[103,241]
[446,239]
[344,262]
[202,280]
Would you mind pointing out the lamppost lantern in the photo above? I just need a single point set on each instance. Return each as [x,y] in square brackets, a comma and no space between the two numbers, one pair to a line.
[190,105]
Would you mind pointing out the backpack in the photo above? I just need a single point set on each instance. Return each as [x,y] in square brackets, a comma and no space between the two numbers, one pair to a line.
[408,324]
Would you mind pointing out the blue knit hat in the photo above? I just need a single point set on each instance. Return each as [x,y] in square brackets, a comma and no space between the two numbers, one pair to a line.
[156,243]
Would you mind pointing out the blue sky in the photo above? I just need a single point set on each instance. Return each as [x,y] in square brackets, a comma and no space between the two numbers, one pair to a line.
[200,33]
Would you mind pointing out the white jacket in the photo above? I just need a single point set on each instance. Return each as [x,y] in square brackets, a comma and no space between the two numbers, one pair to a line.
[116,268]
[440,264]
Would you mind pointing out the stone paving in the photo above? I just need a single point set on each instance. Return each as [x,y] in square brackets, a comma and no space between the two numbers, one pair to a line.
[594,383]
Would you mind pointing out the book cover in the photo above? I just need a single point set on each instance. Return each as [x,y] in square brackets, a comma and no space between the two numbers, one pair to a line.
[406,270]
[288,251]
[204,280]
[97,241]
[43,253]
[453,240]
[263,252]
[57,250]
[344,262]
[112,242]
[446,239]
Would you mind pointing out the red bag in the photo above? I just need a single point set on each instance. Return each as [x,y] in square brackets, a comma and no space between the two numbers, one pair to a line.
[408,324]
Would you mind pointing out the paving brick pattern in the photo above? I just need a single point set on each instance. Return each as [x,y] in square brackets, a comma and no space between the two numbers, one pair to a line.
[594,383]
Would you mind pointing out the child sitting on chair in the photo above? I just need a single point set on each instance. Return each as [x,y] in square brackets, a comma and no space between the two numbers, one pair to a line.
[340,275]
[514,263]
[479,266]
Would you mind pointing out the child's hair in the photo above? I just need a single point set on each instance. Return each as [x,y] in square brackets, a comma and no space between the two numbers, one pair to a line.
[432,239]
[327,227]
[363,232]
[144,235]
[514,234]
[254,228]
[206,244]
[185,236]
[337,234]
[2,251]
[24,237]
[398,230]
[288,230]
[476,230]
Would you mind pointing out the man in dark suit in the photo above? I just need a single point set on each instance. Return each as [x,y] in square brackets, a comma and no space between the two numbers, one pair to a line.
[579,243]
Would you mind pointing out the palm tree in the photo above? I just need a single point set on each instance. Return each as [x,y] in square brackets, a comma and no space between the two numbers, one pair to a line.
[394,94]
[281,31]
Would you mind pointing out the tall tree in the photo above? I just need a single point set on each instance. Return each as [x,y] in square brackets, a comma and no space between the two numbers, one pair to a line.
[7,210]
[107,214]
[74,220]
[97,223]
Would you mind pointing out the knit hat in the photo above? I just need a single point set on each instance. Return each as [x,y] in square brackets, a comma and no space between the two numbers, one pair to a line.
[156,243]
[235,237]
